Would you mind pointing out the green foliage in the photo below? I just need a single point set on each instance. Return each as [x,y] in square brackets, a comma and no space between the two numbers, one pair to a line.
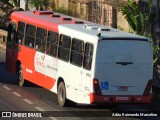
[136,17]
[156,55]
[38,3]
[137,20]
[66,12]
[120,28]
[155,49]
[6,9]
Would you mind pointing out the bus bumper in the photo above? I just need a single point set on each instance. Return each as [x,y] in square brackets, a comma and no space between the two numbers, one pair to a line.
[119,99]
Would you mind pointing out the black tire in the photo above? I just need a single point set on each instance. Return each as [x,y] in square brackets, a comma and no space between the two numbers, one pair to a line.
[61,95]
[20,75]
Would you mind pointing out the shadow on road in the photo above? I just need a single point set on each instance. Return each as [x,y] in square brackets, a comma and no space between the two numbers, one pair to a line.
[5,76]
[10,78]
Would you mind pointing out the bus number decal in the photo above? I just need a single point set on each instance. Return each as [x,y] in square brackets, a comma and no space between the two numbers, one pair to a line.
[39,62]
[121,98]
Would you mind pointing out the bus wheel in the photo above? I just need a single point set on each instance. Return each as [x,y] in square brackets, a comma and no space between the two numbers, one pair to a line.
[20,75]
[61,95]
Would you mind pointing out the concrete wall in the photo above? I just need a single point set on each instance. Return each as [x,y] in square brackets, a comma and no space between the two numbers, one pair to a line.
[122,22]
[63,4]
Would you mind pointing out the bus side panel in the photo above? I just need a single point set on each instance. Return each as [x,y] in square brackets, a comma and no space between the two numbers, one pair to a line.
[46,70]
[72,78]
[83,95]
[26,56]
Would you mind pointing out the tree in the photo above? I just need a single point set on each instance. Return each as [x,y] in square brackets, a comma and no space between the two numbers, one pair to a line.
[38,4]
[137,14]
[6,8]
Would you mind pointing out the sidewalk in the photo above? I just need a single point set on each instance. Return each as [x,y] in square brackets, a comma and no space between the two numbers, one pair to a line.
[2,45]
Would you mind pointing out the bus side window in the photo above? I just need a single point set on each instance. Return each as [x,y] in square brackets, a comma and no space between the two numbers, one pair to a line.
[77,52]
[64,47]
[11,38]
[20,30]
[30,36]
[52,43]
[88,56]
[40,39]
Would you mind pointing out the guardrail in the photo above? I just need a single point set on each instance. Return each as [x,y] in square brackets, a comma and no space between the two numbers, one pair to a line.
[3,36]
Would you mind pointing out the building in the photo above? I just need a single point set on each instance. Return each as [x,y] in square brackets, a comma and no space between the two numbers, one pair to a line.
[104,12]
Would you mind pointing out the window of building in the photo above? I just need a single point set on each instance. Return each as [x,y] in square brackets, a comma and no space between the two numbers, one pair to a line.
[88,56]
[21,29]
[64,47]
[77,52]
[30,36]
[52,43]
[41,39]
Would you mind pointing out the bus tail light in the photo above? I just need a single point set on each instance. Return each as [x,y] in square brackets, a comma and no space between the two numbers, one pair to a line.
[148,88]
[96,87]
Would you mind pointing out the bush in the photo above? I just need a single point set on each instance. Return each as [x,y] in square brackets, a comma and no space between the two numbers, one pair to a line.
[65,12]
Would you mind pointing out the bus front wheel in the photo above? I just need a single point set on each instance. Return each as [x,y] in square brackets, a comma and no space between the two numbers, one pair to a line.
[61,95]
[20,75]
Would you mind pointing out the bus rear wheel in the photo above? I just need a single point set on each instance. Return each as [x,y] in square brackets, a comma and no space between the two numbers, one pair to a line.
[20,75]
[61,95]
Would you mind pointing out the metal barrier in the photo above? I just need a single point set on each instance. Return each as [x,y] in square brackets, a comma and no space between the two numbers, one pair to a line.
[3,36]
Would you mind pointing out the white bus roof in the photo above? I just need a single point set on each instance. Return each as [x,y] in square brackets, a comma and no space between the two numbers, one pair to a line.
[93,30]
[87,31]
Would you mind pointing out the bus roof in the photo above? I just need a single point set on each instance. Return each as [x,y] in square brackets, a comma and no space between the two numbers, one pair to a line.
[94,31]
[67,25]
[47,19]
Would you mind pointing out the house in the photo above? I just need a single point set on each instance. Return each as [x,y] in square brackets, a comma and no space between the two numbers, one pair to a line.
[104,12]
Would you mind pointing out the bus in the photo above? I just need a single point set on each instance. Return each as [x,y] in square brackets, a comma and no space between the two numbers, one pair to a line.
[80,61]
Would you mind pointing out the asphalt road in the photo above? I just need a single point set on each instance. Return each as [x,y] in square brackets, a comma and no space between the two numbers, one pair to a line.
[36,99]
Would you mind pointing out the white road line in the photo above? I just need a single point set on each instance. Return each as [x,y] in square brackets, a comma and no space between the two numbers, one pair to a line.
[53,118]
[40,109]
[27,101]
[17,94]
[7,87]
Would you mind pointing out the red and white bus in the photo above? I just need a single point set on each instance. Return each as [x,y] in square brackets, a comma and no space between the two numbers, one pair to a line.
[79,61]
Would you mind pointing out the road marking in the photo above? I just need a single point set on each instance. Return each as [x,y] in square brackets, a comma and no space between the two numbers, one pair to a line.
[7,87]
[17,94]
[27,101]
[53,118]
[40,109]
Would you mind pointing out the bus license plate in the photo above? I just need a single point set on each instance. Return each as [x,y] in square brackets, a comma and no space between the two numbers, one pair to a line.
[122,88]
